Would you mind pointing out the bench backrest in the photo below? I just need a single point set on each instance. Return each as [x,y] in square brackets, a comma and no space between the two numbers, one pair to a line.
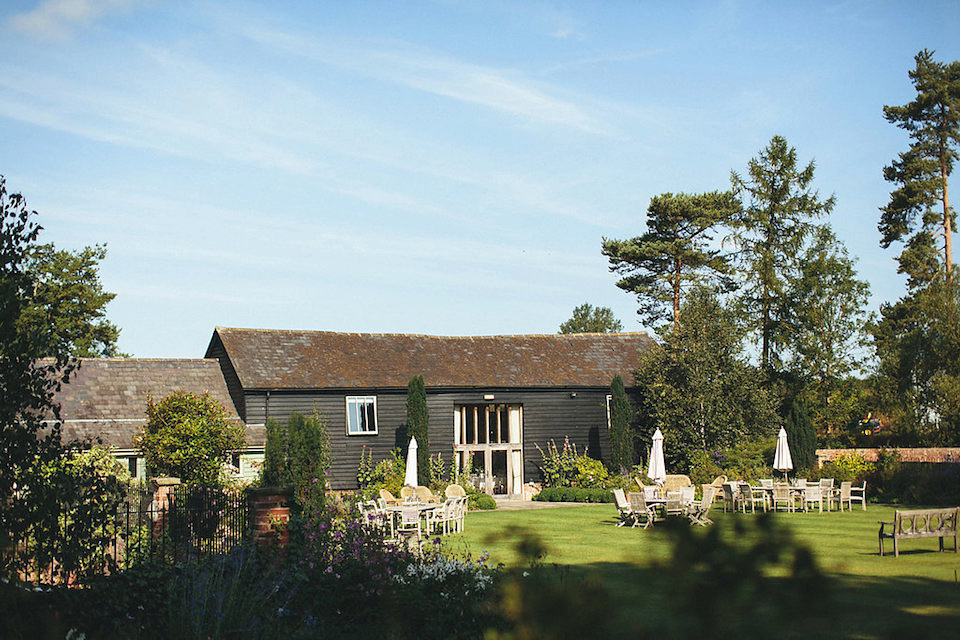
[925,522]
[676,481]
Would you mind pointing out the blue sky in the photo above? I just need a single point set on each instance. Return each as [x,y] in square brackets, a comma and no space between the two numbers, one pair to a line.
[444,167]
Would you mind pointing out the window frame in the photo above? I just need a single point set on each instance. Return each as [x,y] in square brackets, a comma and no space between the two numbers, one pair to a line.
[361,402]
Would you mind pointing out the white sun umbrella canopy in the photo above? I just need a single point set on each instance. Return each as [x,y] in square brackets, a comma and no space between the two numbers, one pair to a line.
[657,469]
[410,477]
[781,459]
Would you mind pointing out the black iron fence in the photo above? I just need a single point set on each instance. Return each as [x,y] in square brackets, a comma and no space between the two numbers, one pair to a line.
[178,524]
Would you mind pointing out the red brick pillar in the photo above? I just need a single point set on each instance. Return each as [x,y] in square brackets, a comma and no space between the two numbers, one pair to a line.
[269,515]
[163,489]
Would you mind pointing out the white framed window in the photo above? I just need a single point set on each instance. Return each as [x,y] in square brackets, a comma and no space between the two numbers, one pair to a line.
[361,415]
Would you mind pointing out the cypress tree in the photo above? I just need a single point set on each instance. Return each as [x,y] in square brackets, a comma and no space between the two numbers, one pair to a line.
[801,435]
[297,454]
[621,440]
[418,426]
[275,472]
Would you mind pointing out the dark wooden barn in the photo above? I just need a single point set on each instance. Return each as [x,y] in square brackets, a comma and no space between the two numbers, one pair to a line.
[493,399]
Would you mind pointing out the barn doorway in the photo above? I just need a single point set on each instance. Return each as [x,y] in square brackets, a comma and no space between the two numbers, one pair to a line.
[488,439]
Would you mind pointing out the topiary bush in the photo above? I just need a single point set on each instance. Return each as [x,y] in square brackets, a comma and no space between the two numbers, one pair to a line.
[481,501]
[189,436]
[574,494]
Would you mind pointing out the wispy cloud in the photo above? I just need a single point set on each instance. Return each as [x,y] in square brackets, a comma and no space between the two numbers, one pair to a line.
[565,27]
[57,19]
[505,90]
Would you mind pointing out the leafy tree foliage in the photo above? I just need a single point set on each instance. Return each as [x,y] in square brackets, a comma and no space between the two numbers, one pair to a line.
[68,303]
[826,333]
[827,311]
[918,345]
[918,338]
[81,491]
[587,319]
[780,206]
[621,436]
[674,254]
[698,388]
[27,383]
[418,426]
[933,122]
[297,455]
[189,436]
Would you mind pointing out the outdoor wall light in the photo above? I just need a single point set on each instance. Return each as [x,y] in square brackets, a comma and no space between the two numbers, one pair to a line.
[573,394]
[488,396]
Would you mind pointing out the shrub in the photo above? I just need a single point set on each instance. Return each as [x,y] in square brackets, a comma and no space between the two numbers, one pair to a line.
[365,468]
[852,467]
[436,472]
[189,436]
[347,571]
[568,468]
[75,500]
[386,474]
[559,466]
[574,494]
[704,467]
[721,585]
[591,473]
[898,482]
[299,458]
[750,458]
[480,501]
[461,476]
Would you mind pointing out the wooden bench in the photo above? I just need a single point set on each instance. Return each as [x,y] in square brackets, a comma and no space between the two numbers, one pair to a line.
[920,523]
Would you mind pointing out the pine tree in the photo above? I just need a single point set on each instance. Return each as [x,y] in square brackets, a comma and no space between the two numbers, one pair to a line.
[933,123]
[674,254]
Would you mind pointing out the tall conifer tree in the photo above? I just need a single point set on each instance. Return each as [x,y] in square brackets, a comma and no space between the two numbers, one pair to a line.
[418,426]
[621,439]
[922,171]
[780,207]
[674,254]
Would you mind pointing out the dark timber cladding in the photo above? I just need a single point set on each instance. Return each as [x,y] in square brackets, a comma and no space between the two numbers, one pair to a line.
[558,383]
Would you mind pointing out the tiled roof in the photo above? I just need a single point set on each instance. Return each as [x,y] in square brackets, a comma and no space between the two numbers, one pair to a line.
[107,398]
[285,359]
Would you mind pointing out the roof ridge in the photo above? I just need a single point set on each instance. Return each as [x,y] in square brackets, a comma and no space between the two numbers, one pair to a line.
[442,337]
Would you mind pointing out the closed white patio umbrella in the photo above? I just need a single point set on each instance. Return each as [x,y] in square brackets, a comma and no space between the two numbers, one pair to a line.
[781,459]
[657,469]
[410,477]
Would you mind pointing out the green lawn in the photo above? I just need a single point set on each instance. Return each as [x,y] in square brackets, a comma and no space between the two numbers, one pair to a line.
[864,595]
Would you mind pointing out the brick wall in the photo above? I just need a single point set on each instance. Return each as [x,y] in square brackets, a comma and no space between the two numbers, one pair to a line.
[907,454]
[269,514]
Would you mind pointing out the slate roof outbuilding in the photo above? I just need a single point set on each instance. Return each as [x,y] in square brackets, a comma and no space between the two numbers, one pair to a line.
[295,359]
[106,398]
